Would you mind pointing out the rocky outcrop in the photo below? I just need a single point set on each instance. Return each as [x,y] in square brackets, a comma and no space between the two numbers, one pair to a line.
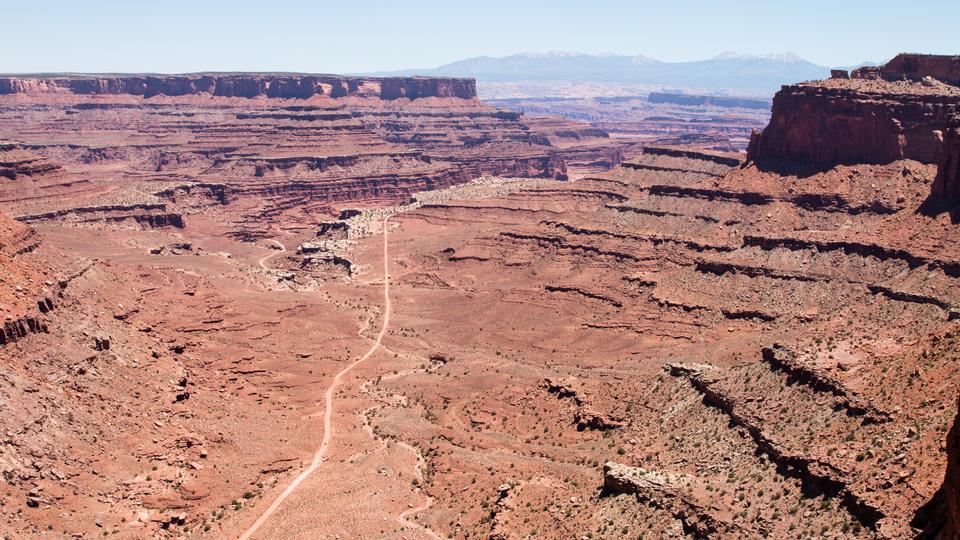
[847,121]
[541,165]
[16,163]
[917,66]
[265,159]
[586,415]
[946,187]
[419,87]
[720,158]
[818,475]
[783,359]
[149,214]
[14,329]
[246,85]
[665,490]
[877,115]
[16,238]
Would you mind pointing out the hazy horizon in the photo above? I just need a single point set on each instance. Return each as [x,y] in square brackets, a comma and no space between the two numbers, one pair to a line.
[182,37]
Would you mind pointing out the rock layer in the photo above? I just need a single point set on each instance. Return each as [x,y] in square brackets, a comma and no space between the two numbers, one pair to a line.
[139,162]
[900,113]
[246,85]
[842,121]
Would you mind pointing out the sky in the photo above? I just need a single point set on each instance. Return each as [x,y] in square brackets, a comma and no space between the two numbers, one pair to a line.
[353,36]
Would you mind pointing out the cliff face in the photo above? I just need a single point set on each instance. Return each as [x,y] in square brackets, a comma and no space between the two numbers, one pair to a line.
[946,187]
[16,163]
[850,121]
[248,85]
[874,115]
[413,88]
[918,66]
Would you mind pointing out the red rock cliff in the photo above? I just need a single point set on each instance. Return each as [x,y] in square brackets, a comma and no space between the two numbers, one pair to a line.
[246,85]
[880,114]
[417,87]
[917,66]
[946,187]
[856,121]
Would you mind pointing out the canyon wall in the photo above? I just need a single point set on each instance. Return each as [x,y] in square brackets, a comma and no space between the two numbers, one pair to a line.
[417,87]
[247,85]
[946,187]
[849,121]
[874,115]
[261,160]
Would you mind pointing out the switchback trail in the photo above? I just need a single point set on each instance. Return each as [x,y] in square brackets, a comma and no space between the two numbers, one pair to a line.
[264,260]
[328,399]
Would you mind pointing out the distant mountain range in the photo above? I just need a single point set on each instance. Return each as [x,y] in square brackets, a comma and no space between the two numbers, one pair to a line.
[728,71]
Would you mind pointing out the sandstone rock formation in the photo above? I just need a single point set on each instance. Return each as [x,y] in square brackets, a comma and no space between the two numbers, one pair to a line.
[917,66]
[858,120]
[853,121]
[804,321]
[15,162]
[246,85]
[24,297]
[199,146]
[667,491]
[946,186]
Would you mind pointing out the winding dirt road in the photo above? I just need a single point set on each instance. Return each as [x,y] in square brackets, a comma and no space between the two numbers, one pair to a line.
[402,519]
[264,260]
[328,396]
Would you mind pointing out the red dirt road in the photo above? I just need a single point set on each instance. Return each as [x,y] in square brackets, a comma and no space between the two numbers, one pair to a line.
[328,400]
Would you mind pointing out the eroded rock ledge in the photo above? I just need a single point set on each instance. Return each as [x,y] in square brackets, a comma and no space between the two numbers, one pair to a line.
[667,491]
[246,85]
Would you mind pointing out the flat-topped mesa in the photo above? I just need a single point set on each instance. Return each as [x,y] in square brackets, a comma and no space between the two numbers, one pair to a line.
[863,119]
[246,85]
[417,87]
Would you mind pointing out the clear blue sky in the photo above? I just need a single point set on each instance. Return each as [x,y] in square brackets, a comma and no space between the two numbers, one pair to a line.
[371,35]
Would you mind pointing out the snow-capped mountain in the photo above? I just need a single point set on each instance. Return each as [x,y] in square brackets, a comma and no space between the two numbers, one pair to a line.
[729,70]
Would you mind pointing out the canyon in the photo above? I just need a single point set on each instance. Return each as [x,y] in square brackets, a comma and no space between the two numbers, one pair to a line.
[659,118]
[312,306]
